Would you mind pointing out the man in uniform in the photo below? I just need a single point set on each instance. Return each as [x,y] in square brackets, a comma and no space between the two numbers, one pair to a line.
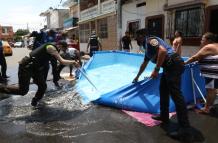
[35,67]
[159,52]
[93,43]
[126,42]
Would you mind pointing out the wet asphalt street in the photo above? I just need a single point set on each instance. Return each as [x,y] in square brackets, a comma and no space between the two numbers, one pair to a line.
[61,118]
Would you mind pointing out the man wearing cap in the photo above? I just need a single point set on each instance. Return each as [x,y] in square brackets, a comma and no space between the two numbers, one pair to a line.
[160,53]
[93,43]
[34,66]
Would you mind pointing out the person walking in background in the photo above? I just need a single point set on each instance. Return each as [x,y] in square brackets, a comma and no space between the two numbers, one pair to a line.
[207,57]
[126,42]
[163,55]
[3,76]
[177,42]
[93,43]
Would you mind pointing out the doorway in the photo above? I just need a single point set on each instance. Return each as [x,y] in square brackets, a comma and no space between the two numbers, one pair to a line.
[155,25]
[213,26]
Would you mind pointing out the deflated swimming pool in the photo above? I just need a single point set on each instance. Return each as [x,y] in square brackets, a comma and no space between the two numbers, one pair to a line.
[112,74]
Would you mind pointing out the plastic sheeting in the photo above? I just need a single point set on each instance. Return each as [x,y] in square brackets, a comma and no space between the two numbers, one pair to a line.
[142,96]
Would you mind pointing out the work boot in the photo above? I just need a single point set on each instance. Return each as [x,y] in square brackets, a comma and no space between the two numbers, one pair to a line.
[34,102]
[159,118]
[3,80]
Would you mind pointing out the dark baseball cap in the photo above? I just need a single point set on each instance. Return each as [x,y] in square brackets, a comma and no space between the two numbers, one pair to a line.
[62,42]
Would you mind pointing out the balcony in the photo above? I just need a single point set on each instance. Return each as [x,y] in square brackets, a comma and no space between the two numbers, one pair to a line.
[70,22]
[70,3]
[95,11]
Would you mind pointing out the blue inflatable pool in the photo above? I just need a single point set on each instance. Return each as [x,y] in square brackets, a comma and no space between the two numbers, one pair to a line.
[112,72]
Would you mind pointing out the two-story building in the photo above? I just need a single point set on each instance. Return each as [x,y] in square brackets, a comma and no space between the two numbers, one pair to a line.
[71,23]
[6,33]
[163,17]
[55,18]
[98,15]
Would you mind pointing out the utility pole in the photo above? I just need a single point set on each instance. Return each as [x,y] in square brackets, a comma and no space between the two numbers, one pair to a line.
[27,26]
[99,7]
[119,24]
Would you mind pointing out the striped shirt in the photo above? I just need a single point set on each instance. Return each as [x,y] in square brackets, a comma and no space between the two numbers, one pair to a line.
[209,67]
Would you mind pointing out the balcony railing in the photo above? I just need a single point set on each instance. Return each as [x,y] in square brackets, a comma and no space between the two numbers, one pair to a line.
[69,3]
[95,11]
[70,22]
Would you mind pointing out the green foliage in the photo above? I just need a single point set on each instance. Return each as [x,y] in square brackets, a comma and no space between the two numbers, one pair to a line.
[19,33]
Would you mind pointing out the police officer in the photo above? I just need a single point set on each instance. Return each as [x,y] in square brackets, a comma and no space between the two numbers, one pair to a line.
[34,67]
[159,52]
[93,43]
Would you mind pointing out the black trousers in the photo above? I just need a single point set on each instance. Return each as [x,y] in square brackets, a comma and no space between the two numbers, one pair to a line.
[170,85]
[54,66]
[92,50]
[27,71]
[3,65]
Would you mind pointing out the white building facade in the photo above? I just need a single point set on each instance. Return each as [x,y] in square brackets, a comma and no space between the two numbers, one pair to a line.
[55,18]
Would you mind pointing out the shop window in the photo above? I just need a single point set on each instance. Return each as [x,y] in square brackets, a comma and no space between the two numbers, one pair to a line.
[189,22]
[132,28]
[103,28]
[84,33]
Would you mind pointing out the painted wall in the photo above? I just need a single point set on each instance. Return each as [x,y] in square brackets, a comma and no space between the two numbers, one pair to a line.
[212,2]
[54,20]
[172,2]
[132,13]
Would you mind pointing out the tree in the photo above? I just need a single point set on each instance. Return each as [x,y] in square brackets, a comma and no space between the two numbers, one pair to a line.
[19,33]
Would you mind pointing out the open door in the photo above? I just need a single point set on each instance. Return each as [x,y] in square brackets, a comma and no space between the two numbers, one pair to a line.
[155,25]
[213,27]
[212,20]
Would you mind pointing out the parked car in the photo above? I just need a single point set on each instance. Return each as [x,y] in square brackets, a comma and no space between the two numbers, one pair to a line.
[18,44]
[7,50]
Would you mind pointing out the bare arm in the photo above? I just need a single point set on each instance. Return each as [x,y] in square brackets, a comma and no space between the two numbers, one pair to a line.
[178,47]
[202,53]
[142,68]
[161,56]
[131,44]
[55,53]
[160,59]
[88,45]
[99,43]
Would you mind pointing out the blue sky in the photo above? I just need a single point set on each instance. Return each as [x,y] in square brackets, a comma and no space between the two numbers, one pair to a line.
[19,13]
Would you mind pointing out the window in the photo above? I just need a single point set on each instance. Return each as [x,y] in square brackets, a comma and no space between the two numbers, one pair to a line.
[84,33]
[132,28]
[189,22]
[102,28]
[4,31]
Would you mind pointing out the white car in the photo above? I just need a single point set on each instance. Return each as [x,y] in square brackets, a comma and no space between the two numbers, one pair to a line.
[18,44]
